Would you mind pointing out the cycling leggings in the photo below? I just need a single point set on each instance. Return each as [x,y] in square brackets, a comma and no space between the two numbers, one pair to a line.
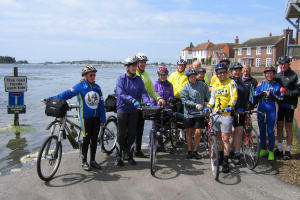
[139,131]
[127,125]
[92,127]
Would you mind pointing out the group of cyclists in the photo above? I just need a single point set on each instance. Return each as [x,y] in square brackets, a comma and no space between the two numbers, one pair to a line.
[231,92]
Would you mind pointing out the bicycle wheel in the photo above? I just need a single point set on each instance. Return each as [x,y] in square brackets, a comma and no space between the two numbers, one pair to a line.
[152,154]
[49,158]
[109,135]
[214,156]
[251,147]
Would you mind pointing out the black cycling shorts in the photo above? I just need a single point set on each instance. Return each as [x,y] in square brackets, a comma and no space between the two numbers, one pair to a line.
[198,123]
[285,114]
[238,120]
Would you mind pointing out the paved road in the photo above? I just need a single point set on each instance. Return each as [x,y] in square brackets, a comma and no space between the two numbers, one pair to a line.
[177,178]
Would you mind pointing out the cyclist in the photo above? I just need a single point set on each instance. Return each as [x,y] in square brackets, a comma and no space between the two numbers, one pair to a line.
[130,91]
[240,106]
[194,95]
[91,112]
[178,80]
[249,82]
[290,82]
[203,76]
[268,94]
[141,65]
[223,98]
[164,89]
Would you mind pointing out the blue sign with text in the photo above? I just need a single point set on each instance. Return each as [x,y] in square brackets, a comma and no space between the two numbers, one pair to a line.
[16,98]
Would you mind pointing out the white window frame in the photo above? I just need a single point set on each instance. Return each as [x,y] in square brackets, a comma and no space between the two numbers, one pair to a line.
[269,49]
[240,51]
[248,51]
[258,50]
[270,62]
[190,52]
[257,62]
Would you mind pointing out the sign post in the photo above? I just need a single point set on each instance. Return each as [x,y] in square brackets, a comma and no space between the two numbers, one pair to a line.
[16,86]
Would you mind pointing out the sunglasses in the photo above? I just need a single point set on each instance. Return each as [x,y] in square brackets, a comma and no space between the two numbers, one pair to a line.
[92,75]
[220,73]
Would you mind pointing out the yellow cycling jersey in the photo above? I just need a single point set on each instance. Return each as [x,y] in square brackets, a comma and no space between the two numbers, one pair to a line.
[178,80]
[223,94]
[213,80]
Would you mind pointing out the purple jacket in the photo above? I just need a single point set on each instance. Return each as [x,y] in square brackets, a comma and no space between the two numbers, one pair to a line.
[129,89]
[164,89]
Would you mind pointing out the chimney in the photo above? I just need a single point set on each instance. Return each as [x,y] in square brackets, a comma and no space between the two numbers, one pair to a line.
[236,41]
[207,41]
[270,34]
[288,36]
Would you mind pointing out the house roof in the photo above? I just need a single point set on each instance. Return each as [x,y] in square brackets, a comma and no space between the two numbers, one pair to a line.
[222,45]
[263,41]
[189,48]
[204,46]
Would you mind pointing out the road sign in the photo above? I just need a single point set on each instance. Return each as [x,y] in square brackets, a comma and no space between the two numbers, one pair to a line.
[15,83]
[16,98]
[16,109]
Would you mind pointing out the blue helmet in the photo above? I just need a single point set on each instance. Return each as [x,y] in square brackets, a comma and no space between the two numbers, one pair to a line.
[201,70]
[190,72]
[221,65]
[181,62]
[283,60]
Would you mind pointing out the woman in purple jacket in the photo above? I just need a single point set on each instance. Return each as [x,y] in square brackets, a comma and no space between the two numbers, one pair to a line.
[130,91]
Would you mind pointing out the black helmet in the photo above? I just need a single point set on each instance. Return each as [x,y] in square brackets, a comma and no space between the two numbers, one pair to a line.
[130,61]
[235,65]
[200,69]
[283,60]
[226,61]
[190,72]
[221,65]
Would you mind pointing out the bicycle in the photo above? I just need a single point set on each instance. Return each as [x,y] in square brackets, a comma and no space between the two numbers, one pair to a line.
[49,156]
[250,140]
[161,132]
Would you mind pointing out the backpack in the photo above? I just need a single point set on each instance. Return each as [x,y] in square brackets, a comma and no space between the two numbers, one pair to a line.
[56,107]
[110,103]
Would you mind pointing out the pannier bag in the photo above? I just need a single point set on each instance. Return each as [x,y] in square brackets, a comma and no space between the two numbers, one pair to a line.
[56,107]
[110,103]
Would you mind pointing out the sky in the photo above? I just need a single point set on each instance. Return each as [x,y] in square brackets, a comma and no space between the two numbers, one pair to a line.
[111,30]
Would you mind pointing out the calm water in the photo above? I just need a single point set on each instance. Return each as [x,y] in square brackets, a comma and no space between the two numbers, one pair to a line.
[44,81]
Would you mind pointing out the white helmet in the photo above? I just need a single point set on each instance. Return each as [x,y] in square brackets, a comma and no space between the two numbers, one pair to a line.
[141,57]
[130,61]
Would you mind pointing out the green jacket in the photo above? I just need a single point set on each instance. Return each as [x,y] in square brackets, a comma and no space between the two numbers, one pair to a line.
[148,85]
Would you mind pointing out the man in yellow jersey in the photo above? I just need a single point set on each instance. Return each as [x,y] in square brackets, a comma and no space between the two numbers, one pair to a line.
[214,77]
[178,79]
[223,99]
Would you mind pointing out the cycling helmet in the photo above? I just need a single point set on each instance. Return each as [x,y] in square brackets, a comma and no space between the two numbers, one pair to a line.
[226,61]
[200,69]
[141,57]
[190,72]
[181,62]
[162,70]
[86,69]
[270,68]
[221,65]
[283,60]
[235,65]
[130,61]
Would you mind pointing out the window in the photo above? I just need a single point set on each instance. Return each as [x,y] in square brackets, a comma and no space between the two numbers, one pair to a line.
[257,62]
[240,51]
[269,50]
[239,60]
[190,52]
[258,50]
[268,61]
[249,51]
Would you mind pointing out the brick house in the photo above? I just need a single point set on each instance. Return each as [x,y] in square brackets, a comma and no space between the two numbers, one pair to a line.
[263,51]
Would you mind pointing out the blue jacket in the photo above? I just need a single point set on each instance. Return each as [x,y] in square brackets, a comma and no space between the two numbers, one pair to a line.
[90,100]
[272,87]
[193,94]
[129,89]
